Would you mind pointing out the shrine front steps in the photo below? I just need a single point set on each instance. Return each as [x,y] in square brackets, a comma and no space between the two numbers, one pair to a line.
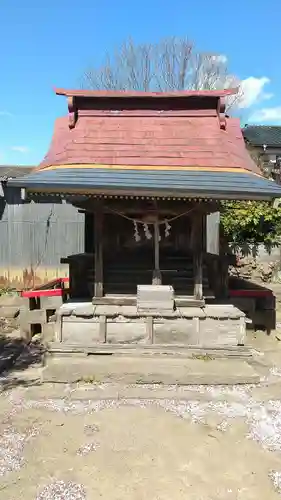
[149,370]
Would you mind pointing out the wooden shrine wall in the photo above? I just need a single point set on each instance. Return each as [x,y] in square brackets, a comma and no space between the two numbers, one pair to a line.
[127,262]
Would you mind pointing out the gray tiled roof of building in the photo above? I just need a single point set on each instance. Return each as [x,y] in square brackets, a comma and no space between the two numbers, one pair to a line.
[259,135]
[13,171]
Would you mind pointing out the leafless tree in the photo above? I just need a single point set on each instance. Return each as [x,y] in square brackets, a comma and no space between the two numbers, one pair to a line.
[171,64]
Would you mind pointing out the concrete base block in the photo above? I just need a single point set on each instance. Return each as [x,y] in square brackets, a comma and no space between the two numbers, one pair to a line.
[224,332]
[9,312]
[48,332]
[79,332]
[203,332]
[51,303]
[179,331]
[126,332]
[36,316]
[8,300]
[222,311]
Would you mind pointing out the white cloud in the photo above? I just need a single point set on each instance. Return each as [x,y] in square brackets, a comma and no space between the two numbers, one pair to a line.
[252,91]
[20,149]
[267,115]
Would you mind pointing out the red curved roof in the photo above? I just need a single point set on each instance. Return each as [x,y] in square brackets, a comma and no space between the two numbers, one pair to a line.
[172,133]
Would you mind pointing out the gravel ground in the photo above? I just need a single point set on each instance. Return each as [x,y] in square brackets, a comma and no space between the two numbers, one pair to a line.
[263,418]
[228,446]
[61,490]
[73,442]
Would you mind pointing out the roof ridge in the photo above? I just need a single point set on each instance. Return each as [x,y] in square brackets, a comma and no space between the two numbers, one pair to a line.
[145,95]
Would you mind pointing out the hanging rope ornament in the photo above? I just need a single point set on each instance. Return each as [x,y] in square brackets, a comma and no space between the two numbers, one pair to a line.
[147,233]
[146,230]
[136,232]
[167,228]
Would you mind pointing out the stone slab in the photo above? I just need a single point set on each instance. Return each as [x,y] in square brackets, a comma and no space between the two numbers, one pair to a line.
[9,312]
[131,370]
[109,310]
[51,303]
[223,311]
[192,312]
[10,300]
[179,331]
[68,307]
[80,332]
[96,392]
[80,319]
[133,332]
[48,332]
[84,310]
[33,317]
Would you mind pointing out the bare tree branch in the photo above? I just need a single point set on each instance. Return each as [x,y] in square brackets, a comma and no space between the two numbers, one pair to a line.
[171,64]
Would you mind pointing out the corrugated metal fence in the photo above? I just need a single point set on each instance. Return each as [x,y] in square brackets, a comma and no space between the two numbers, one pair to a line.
[33,238]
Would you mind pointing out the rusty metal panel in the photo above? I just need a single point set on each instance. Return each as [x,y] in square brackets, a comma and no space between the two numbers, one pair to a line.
[213,233]
[33,238]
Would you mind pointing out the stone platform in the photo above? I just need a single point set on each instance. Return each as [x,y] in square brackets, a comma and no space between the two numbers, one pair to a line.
[85,324]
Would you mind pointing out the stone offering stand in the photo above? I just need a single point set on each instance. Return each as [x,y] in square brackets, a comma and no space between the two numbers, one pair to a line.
[117,324]
[109,326]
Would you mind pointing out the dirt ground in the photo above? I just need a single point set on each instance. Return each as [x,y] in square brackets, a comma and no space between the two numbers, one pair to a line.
[205,448]
[76,442]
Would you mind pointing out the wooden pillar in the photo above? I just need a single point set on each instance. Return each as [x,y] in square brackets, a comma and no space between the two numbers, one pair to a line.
[223,271]
[197,248]
[157,278]
[99,250]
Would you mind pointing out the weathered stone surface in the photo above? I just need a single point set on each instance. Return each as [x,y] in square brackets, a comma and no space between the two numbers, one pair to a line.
[48,332]
[223,311]
[10,300]
[224,332]
[105,310]
[158,313]
[191,312]
[80,333]
[9,312]
[68,308]
[84,310]
[115,311]
[132,332]
[129,311]
[80,319]
[33,317]
[65,310]
[179,331]
[155,297]
[51,303]
[127,369]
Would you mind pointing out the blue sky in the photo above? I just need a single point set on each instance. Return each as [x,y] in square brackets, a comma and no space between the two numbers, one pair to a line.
[50,43]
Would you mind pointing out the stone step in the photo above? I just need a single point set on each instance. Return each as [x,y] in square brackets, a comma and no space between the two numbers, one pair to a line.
[61,348]
[147,370]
